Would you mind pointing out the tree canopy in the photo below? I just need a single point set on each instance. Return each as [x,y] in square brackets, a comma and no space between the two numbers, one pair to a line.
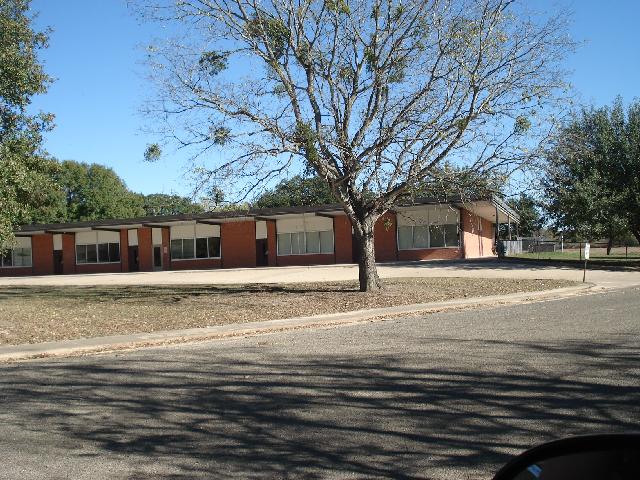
[93,192]
[26,171]
[528,209]
[163,204]
[592,180]
[297,191]
[371,95]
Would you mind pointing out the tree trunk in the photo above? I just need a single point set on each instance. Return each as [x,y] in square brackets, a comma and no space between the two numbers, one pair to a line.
[368,272]
[636,232]
[609,245]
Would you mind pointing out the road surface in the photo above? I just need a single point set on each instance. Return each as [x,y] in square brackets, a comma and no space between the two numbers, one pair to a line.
[444,396]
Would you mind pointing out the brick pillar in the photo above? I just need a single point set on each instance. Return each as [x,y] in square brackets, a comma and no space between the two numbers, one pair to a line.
[166,244]
[68,253]
[385,238]
[238,244]
[272,244]
[42,254]
[124,250]
[145,249]
[343,239]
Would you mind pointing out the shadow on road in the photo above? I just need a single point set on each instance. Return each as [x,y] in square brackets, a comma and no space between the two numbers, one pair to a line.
[277,416]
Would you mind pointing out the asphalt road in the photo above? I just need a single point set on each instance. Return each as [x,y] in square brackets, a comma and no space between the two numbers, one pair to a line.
[445,396]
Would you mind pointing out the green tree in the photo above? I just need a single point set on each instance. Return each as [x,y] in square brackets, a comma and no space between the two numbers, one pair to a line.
[591,180]
[162,204]
[371,96]
[25,170]
[527,208]
[95,192]
[297,191]
[630,170]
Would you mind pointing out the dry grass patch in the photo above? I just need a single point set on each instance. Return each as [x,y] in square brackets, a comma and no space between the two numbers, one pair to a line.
[42,314]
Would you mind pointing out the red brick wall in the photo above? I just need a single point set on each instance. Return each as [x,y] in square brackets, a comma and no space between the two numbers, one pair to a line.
[145,249]
[430,254]
[343,239]
[310,259]
[238,244]
[68,253]
[272,243]
[477,235]
[124,250]
[196,264]
[385,238]
[166,246]
[15,271]
[42,254]
[99,268]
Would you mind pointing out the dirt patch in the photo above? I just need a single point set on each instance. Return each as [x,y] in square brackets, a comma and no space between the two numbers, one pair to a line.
[42,314]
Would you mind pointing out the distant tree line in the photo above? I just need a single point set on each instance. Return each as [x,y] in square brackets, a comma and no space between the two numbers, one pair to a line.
[84,191]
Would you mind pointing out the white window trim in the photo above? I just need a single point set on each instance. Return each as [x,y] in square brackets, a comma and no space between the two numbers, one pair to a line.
[305,243]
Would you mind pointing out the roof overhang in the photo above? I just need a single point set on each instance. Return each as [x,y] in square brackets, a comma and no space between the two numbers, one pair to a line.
[276,216]
[494,210]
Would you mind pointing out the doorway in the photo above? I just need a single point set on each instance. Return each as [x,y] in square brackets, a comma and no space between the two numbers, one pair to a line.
[134,266]
[157,257]
[58,268]
[262,252]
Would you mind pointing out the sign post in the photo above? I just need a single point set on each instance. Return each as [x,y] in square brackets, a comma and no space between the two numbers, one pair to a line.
[587,248]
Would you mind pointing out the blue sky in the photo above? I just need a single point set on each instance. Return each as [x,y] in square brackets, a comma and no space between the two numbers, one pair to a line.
[96,50]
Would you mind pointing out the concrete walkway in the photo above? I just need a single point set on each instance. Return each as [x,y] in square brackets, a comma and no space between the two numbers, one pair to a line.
[485,268]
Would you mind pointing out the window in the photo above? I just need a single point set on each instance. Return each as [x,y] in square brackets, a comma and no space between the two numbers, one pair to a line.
[301,243]
[434,236]
[190,248]
[98,253]
[17,257]
[451,235]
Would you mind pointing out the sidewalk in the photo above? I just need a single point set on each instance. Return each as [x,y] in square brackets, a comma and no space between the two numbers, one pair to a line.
[479,268]
[141,340]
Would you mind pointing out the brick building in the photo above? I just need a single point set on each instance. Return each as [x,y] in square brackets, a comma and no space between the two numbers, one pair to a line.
[423,230]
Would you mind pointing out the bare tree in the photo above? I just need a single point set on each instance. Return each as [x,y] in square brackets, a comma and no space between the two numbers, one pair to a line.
[372,95]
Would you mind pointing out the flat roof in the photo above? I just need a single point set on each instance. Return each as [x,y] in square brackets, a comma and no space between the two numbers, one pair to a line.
[218,217]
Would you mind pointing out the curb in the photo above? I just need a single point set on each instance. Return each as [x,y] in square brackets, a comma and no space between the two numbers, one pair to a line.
[86,346]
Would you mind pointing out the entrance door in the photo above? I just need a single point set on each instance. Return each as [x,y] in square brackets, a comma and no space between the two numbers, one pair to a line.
[157,257]
[133,259]
[262,259]
[57,262]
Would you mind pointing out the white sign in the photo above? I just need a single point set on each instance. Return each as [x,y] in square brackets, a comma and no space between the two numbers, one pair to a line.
[587,247]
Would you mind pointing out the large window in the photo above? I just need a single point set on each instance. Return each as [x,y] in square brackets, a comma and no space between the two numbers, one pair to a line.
[301,243]
[98,253]
[428,227]
[189,248]
[193,241]
[97,247]
[16,257]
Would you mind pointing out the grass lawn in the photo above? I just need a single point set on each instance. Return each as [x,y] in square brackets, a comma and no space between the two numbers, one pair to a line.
[618,255]
[41,314]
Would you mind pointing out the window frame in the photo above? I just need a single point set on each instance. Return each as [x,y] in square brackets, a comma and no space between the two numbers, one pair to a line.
[12,253]
[428,226]
[96,248]
[303,234]
[195,253]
